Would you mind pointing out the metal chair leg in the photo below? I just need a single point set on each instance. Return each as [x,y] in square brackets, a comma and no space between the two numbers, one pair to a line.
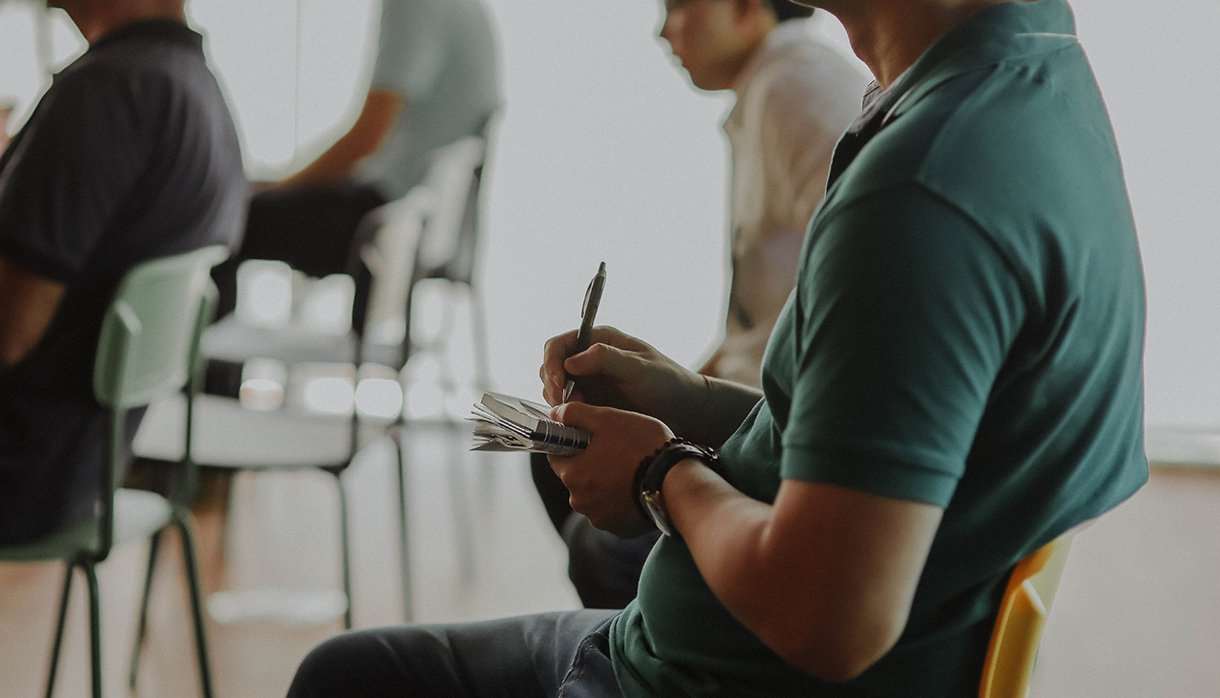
[482,381]
[440,348]
[345,551]
[95,628]
[154,545]
[183,524]
[460,503]
[64,598]
[478,322]
[404,549]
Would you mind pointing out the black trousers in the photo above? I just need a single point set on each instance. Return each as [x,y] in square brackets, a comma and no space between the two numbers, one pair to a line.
[561,655]
[312,229]
[604,569]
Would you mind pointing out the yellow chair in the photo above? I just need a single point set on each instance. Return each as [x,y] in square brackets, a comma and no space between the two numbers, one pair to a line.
[1023,612]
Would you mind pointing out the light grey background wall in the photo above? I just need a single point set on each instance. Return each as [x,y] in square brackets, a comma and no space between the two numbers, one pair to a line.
[605,153]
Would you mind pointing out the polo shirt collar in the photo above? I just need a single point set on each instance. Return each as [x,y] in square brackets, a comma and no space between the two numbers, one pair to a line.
[160,29]
[994,33]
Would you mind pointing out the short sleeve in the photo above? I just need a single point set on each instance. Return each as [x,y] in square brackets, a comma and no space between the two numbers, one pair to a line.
[412,46]
[905,313]
[71,168]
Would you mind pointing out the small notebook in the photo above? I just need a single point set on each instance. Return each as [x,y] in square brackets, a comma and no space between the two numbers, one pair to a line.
[505,423]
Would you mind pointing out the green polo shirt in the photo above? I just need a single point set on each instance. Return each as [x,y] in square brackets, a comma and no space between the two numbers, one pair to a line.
[966,331]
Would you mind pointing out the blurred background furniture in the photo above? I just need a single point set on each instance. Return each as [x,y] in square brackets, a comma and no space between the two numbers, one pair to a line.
[429,235]
[146,349]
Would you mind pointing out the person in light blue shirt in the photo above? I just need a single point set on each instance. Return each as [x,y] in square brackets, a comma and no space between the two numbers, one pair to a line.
[438,59]
[435,81]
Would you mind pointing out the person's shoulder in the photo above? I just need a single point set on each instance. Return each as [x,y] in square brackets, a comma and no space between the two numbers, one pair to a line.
[93,69]
[1002,131]
[808,62]
[145,72]
[806,82]
[1025,115]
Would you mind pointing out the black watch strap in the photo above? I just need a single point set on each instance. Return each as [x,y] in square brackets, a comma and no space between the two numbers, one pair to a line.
[651,473]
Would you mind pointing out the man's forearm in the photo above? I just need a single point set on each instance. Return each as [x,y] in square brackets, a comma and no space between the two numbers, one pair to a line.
[28,302]
[711,415]
[377,117]
[824,576]
[770,591]
[334,165]
[725,531]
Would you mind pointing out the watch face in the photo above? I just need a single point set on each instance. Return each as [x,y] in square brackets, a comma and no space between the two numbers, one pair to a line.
[656,510]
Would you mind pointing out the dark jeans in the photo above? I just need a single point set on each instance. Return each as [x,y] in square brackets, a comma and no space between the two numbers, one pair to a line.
[604,568]
[565,655]
[311,229]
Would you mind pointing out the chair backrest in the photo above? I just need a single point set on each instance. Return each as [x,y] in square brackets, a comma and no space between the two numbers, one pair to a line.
[1024,609]
[145,349]
[432,232]
[148,349]
[452,178]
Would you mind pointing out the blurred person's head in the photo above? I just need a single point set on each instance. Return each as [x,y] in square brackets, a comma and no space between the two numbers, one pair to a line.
[714,39]
[95,18]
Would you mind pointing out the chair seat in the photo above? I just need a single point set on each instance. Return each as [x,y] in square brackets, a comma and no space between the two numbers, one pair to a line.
[137,515]
[228,435]
[236,342]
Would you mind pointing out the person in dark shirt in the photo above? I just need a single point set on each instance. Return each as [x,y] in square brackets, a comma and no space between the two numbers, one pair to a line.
[131,154]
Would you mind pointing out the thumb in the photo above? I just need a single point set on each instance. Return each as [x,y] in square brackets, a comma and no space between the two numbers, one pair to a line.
[599,359]
[580,415]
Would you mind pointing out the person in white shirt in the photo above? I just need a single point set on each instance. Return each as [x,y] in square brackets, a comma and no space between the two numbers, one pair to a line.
[796,92]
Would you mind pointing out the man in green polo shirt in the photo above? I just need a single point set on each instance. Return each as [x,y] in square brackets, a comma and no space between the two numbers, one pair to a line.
[955,381]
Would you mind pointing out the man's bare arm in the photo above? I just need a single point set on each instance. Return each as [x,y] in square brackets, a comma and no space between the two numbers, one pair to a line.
[381,109]
[27,304]
[825,577]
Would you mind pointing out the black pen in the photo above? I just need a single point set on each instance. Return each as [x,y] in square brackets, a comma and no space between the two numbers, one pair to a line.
[588,312]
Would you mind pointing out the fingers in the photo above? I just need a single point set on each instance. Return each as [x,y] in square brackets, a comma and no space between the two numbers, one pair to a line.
[601,360]
[554,371]
[580,415]
[617,338]
[552,374]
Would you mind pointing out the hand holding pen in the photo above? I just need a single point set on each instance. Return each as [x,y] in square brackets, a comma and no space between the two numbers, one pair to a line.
[588,313]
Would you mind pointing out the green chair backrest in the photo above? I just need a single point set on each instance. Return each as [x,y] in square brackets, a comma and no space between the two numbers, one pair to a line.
[145,349]
[148,350]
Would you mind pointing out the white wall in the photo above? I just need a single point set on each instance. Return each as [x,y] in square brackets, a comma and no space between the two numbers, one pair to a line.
[605,153]
[1158,65]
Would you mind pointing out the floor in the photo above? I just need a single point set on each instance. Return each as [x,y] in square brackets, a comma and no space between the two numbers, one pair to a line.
[1137,615]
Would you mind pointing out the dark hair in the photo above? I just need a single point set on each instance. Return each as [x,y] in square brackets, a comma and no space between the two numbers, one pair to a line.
[786,10]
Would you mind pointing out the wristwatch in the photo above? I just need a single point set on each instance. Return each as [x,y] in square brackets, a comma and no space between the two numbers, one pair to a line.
[650,476]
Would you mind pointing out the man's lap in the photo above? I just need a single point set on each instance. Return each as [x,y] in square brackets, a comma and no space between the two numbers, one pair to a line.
[554,654]
[310,228]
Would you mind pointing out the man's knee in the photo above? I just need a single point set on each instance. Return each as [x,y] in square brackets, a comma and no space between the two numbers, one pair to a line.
[331,668]
[403,661]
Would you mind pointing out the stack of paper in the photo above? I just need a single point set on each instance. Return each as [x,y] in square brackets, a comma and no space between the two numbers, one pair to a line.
[505,423]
